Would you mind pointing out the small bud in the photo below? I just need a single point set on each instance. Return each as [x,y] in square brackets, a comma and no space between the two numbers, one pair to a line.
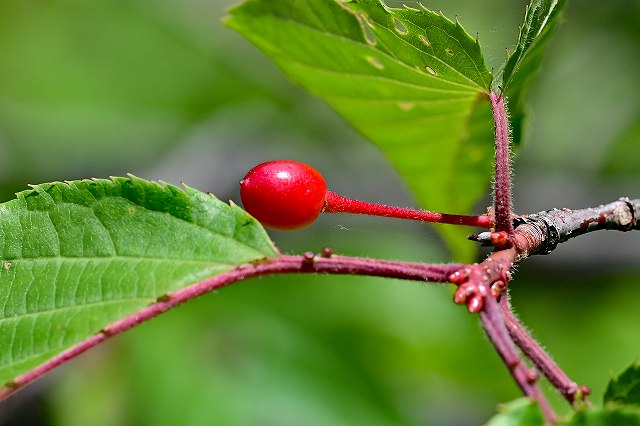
[532,376]
[483,290]
[475,304]
[459,277]
[107,331]
[163,298]
[308,257]
[463,293]
[327,252]
[501,240]
[497,288]
[513,363]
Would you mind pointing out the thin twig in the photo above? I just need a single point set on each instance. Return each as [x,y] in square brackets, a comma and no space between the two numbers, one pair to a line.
[309,262]
[502,184]
[494,325]
[543,362]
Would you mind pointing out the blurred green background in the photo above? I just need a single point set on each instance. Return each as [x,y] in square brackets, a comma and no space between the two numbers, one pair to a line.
[163,90]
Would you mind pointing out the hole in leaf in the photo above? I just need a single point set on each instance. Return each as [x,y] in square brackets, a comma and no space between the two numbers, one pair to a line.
[375,62]
[425,40]
[430,70]
[400,28]
[367,28]
[449,52]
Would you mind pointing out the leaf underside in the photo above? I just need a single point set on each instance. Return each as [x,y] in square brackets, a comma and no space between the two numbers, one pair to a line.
[410,80]
[79,255]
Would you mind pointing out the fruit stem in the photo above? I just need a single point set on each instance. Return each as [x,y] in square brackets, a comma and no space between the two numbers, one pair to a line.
[338,204]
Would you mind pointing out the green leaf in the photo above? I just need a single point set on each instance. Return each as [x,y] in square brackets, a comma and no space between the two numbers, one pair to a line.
[77,256]
[619,416]
[540,20]
[410,80]
[625,388]
[521,411]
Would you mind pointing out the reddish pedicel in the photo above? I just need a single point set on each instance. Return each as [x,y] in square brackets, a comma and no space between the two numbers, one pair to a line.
[288,195]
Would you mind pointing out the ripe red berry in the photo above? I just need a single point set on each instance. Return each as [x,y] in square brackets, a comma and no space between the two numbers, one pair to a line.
[283,194]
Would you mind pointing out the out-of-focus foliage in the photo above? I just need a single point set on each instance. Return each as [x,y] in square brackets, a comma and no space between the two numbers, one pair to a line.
[624,389]
[624,156]
[161,89]
[100,87]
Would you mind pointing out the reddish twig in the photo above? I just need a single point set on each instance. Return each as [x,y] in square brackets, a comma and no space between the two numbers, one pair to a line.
[502,184]
[325,263]
[543,362]
[494,325]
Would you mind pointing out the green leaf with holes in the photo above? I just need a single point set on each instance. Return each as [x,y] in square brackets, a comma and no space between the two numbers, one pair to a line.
[77,256]
[540,21]
[410,80]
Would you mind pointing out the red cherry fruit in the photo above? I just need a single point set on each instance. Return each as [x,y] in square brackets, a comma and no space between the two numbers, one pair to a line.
[283,194]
